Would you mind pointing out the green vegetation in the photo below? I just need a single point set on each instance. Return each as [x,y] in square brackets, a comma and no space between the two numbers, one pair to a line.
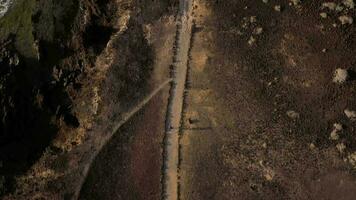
[18,22]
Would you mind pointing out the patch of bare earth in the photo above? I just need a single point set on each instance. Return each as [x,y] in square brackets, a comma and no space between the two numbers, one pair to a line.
[269,74]
[129,166]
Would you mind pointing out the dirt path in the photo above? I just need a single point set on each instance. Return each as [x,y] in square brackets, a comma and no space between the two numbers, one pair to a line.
[122,121]
[129,166]
[175,107]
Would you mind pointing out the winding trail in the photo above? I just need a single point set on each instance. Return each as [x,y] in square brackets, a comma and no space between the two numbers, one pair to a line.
[124,118]
[170,182]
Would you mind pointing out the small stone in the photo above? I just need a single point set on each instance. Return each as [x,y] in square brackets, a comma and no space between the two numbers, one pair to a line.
[350,114]
[264,145]
[329,5]
[340,75]
[277,8]
[312,146]
[258,30]
[261,163]
[339,8]
[338,126]
[253,19]
[251,41]
[334,135]
[296,2]
[16,60]
[334,25]
[11,61]
[323,15]
[324,50]
[265,1]
[244,25]
[344,19]
[269,174]
[349,3]
[341,147]
[352,159]
[292,114]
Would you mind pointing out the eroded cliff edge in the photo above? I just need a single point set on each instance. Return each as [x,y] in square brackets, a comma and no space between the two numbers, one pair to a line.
[69,69]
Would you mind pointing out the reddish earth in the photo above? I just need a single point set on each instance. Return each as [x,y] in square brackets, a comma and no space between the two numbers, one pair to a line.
[146,148]
[129,167]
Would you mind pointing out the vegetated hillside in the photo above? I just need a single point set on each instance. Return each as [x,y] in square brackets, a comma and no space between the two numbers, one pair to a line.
[66,68]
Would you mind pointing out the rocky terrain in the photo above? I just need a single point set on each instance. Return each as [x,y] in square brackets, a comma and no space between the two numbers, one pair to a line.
[4,7]
[262,103]
[69,69]
[269,112]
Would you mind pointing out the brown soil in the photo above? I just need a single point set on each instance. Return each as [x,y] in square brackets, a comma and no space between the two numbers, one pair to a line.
[252,149]
[129,166]
[259,109]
